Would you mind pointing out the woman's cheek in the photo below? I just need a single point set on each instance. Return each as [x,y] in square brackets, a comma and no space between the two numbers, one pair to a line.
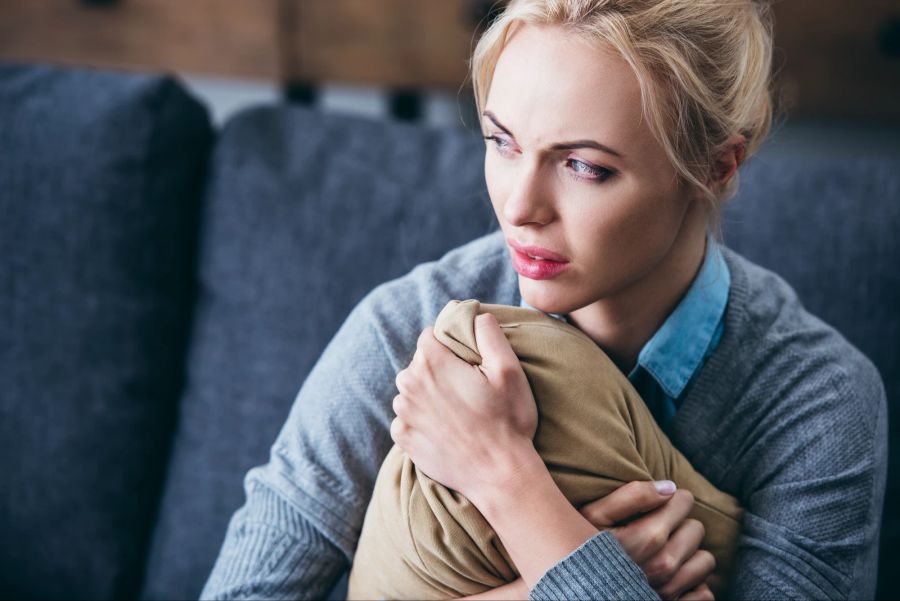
[610,247]
[500,179]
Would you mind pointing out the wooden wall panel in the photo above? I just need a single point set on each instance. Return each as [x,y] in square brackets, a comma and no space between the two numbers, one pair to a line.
[217,37]
[396,43]
[836,58]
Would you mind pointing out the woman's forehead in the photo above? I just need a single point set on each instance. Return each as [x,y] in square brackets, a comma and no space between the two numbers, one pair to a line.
[551,83]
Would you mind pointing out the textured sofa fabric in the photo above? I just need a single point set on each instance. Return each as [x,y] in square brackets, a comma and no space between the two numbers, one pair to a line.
[304,215]
[104,303]
[99,176]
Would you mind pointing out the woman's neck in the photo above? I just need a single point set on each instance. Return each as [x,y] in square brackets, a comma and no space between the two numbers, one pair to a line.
[622,324]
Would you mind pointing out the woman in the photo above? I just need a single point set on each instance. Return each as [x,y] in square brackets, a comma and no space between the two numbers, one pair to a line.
[614,130]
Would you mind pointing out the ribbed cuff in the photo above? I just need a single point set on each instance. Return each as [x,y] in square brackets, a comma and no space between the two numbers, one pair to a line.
[598,569]
[272,552]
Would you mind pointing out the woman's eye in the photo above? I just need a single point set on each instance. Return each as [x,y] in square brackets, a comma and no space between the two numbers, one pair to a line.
[585,171]
[501,144]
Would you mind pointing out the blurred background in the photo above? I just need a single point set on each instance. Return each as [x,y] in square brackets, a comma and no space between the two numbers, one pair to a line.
[838,61]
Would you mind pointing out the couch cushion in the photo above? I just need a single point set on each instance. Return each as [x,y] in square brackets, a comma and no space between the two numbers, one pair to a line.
[832,229]
[99,188]
[304,215]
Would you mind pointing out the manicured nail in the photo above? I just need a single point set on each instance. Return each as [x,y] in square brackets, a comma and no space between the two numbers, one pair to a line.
[665,487]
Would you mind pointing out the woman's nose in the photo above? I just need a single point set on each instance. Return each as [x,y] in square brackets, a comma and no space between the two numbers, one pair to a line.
[529,201]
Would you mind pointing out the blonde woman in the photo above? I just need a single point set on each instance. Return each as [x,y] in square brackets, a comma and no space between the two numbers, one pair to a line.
[614,131]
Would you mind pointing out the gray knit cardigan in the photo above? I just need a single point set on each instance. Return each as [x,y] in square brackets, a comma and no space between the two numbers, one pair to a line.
[785,415]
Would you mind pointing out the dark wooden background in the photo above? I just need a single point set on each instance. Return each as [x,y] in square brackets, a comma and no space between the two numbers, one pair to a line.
[836,58]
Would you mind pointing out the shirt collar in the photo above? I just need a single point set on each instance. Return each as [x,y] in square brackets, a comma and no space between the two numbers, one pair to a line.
[677,349]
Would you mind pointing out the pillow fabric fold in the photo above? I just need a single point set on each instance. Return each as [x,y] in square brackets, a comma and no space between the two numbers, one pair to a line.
[421,540]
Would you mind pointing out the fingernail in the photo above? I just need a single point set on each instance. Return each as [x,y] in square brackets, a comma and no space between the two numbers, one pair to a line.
[665,487]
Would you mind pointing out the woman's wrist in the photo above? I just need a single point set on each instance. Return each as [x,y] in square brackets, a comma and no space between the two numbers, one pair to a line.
[537,525]
[516,470]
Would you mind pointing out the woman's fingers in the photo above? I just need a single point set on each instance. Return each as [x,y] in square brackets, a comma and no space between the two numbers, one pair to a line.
[627,502]
[683,543]
[432,351]
[701,593]
[402,406]
[655,511]
[497,356]
[398,430]
[405,436]
[646,536]
[690,576]
[431,360]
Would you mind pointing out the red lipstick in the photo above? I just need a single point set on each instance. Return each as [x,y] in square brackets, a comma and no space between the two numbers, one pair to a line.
[535,262]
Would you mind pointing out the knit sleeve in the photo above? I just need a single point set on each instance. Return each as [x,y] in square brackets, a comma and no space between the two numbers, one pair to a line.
[598,569]
[814,501]
[811,529]
[813,496]
[304,508]
[272,552]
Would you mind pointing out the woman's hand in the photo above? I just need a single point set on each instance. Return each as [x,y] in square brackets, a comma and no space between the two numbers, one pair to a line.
[467,427]
[471,429]
[650,522]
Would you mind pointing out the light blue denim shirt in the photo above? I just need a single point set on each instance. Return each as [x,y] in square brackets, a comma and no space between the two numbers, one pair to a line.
[676,352]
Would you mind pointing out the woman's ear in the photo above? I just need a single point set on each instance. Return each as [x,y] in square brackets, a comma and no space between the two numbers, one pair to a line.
[727,162]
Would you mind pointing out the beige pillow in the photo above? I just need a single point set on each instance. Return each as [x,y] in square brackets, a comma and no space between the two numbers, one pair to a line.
[421,540]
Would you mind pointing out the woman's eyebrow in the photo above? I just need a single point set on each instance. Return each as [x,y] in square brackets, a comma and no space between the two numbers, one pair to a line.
[493,118]
[560,145]
[585,144]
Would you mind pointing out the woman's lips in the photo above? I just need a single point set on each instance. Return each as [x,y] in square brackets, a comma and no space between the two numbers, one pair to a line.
[535,268]
[536,251]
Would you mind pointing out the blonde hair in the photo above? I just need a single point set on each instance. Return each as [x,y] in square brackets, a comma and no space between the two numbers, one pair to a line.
[704,69]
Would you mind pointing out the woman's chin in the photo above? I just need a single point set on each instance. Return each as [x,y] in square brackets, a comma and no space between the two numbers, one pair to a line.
[545,296]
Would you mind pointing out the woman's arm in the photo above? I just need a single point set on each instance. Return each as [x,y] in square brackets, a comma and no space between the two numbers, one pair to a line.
[471,429]
[812,478]
[271,551]
[678,571]
[306,505]
[814,487]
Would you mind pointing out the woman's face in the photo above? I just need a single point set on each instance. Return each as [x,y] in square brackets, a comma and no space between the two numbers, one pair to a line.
[572,168]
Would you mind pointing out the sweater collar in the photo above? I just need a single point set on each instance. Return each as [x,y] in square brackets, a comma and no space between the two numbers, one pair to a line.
[724,374]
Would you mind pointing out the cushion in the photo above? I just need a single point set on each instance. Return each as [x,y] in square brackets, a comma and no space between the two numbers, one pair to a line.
[421,540]
[305,214]
[99,187]
[830,228]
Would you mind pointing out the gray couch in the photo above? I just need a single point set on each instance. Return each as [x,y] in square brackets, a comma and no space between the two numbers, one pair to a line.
[164,289]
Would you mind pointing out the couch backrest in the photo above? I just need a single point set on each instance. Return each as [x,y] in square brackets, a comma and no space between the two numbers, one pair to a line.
[305,213]
[100,176]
